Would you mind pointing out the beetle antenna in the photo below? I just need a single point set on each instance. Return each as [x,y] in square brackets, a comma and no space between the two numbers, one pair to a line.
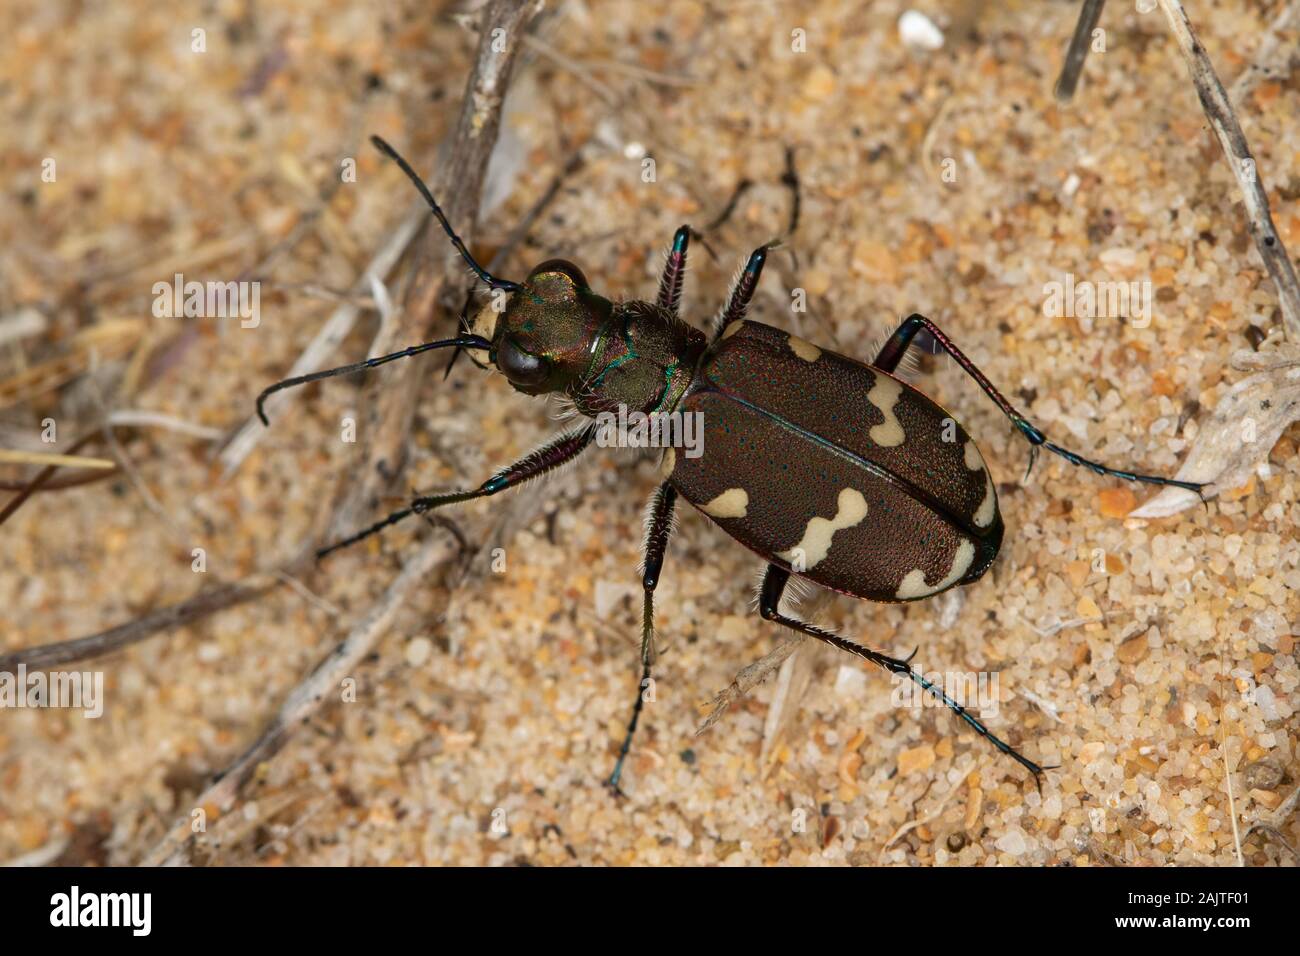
[411,174]
[460,342]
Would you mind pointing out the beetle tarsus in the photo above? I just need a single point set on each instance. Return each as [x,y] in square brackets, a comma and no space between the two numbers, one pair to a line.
[891,353]
[554,453]
[774,583]
[612,785]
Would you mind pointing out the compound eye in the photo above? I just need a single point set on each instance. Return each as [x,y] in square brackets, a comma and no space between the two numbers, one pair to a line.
[565,268]
[522,368]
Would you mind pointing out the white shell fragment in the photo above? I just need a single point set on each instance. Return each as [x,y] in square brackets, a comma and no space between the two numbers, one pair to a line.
[918,31]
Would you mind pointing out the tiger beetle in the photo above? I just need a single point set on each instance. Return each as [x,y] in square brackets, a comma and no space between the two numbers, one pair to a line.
[827,468]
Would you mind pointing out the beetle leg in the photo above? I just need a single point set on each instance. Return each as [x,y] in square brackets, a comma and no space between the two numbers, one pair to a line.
[670,286]
[790,179]
[743,289]
[659,527]
[558,451]
[774,582]
[892,353]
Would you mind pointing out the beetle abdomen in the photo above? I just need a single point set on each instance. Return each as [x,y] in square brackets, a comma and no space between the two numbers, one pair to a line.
[837,470]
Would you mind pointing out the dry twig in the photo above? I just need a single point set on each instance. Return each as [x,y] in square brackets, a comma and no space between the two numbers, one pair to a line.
[336,328]
[13,456]
[390,407]
[1219,453]
[1273,54]
[1078,51]
[43,479]
[1219,112]
[750,677]
[306,699]
[124,635]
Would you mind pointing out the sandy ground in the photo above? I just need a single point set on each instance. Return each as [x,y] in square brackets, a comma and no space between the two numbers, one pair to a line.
[1155,661]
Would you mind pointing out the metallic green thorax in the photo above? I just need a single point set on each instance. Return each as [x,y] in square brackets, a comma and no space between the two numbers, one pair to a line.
[557,335]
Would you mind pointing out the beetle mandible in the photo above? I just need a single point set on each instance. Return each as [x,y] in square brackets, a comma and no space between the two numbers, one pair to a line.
[826,467]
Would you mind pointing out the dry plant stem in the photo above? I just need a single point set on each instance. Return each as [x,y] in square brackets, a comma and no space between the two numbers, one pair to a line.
[750,677]
[313,358]
[307,699]
[56,484]
[1273,54]
[525,225]
[1227,775]
[1274,821]
[476,136]
[142,417]
[124,635]
[915,822]
[13,456]
[390,400]
[42,479]
[1219,112]
[1078,51]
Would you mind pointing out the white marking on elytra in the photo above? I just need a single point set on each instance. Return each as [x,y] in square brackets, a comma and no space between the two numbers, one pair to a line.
[914,586]
[988,507]
[815,544]
[884,395]
[732,503]
[804,349]
[731,329]
[983,516]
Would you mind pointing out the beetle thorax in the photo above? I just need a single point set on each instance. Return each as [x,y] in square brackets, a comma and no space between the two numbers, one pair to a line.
[644,361]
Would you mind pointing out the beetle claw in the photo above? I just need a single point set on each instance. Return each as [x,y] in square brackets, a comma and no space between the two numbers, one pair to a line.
[1033,456]
[1038,773]
[1200,493]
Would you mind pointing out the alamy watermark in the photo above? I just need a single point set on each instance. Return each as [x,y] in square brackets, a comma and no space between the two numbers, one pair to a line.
[977,692]
[624,429]
[1098,300]
[77,690]
[133,911]
[209,300]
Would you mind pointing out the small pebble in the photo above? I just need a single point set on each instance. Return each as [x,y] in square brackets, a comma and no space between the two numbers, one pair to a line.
[1116,502]
[850,681]
[1263,774]
[1267,798]
[418,651]
[1133,650]
[919,32]
[1012,842]
[1091,751]
[875,261]
[820,84]
[915,758]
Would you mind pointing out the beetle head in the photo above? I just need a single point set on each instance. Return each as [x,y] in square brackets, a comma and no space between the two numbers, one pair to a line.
[544,333]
